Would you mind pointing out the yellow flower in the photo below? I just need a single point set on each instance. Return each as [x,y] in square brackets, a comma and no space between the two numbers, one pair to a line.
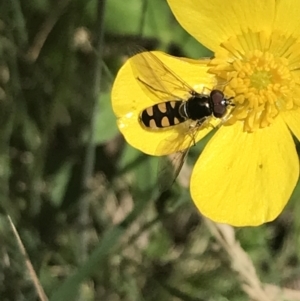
[249,168]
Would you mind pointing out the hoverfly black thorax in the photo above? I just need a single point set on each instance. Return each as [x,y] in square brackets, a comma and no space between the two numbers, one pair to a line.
[198,107]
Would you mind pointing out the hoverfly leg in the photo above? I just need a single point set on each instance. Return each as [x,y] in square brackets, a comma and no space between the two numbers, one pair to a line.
[206,90]
[194,127]
[205,122]
[222,84]
[225,118]
[193,140]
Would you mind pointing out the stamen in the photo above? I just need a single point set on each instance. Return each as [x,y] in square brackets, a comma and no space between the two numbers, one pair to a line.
[261,72]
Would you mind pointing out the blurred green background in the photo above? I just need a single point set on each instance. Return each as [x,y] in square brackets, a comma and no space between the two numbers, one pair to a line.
[86,204]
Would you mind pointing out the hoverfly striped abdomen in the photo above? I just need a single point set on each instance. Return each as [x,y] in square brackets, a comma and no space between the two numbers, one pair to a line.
[162,115]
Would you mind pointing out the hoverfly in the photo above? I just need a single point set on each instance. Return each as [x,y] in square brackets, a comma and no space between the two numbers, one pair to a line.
[179,104]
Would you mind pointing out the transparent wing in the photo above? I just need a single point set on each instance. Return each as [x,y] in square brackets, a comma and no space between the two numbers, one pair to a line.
[158,79]
[169,169]
[170,166]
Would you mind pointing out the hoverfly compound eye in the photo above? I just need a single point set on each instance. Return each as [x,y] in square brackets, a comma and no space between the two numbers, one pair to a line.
[218,103]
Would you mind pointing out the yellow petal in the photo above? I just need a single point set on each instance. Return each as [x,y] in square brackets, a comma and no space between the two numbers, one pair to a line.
[287,19]
[292,118]
[213,22]
[246,179]
[129,99]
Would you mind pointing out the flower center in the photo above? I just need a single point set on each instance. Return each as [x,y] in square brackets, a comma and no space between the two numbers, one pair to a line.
[260,79]
[262,74]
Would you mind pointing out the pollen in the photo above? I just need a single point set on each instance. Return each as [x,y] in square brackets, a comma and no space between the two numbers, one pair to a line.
[261,74]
